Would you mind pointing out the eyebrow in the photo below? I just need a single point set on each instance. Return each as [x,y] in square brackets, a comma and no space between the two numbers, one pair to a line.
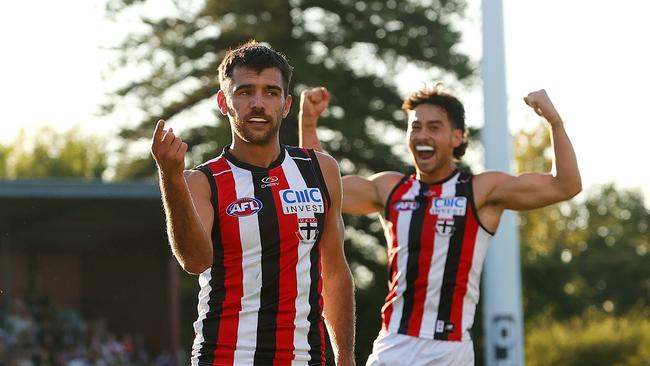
[435,121]
[249,86]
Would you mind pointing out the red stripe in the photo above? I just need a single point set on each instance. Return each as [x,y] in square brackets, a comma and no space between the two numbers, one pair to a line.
[462,276]
[234,277]
[393,216]
[424,264]
[285,326]
[320,286]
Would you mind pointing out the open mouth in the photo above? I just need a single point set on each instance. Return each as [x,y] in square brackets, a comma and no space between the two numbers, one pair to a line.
[424,151]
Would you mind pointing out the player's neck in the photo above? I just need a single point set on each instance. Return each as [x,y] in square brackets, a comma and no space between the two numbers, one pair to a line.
[439,174]
[255,154]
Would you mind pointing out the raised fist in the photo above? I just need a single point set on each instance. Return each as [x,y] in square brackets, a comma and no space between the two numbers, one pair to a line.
[313,102]
[542,105]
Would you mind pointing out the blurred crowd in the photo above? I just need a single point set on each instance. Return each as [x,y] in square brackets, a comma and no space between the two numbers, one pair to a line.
[35,333]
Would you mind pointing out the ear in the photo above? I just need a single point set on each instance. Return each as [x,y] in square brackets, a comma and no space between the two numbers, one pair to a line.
[456,137]
[287,106]
[221,102]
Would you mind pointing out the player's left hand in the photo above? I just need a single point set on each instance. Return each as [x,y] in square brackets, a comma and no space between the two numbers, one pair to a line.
[542,105]
[314,101]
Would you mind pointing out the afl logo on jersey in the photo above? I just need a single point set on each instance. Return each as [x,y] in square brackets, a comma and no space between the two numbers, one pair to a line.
[406,205]
[244,207]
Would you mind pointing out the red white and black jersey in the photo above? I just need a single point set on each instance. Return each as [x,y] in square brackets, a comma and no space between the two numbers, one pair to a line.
[260,303]
[436,248]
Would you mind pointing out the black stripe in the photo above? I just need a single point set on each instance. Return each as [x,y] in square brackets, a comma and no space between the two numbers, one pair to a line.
[451,265]
[312,175]
[390,196]
[412,264]
[270,292]
[472,203]
[315,167]
[217,274]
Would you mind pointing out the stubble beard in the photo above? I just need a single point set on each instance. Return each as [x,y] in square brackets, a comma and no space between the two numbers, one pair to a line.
[252,137]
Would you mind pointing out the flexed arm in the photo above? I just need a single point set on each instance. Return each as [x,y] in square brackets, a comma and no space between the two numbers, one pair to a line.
[535,190]
[361,195]
[186,199]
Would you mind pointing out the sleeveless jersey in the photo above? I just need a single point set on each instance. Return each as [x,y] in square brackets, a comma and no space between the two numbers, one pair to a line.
[260,303]
[436,248]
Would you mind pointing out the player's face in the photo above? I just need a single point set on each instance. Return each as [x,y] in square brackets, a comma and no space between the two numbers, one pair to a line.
[431,140]
[255,104]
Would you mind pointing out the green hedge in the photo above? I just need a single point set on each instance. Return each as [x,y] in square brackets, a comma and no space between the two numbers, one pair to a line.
[593,339]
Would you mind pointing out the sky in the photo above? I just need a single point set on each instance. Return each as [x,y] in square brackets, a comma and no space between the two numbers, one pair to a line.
[591,56]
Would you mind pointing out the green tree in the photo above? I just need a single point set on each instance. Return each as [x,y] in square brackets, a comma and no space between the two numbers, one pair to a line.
[45,153]
[585,271]
[581,255]
[355,48]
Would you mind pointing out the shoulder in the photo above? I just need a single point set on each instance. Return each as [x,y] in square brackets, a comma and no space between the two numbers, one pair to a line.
[328,164]
[485,183]
[197,181]
[386,177]
[385,181]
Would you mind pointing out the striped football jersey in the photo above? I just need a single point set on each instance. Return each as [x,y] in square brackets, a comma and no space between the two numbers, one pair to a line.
[260,303]
[436,248]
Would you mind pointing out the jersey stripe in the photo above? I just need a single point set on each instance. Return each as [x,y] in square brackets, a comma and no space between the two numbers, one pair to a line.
[467,254]
[451,269]
[270,240]
[426,254]
[396,219]
[232,263]
[251,279]
[413,261]
[287,277]
[316,335]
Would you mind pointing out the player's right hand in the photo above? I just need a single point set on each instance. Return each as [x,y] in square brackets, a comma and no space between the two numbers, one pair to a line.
[313,102]
[168,150]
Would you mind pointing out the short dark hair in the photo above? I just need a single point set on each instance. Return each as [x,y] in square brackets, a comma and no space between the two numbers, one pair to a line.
[258,57]
[453,107]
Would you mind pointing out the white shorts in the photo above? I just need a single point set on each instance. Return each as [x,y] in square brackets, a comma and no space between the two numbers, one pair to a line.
[391,349]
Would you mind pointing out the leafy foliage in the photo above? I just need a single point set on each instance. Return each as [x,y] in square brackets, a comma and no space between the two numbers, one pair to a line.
[593,339]
[45,153]
[355,48]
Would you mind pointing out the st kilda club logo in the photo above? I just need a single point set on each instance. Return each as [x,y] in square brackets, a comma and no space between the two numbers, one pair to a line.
[307,230]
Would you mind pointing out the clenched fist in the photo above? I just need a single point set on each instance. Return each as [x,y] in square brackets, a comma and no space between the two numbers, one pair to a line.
[313,102]
[168,150]
[542,105]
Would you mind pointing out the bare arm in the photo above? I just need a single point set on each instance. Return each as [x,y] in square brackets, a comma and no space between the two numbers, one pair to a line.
[361,196]
[535,190]
[186,199]
[338,288]
[312,103]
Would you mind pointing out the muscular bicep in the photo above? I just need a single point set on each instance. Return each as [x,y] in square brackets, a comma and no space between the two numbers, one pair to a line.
[360,196]
[524,192]
[201,194]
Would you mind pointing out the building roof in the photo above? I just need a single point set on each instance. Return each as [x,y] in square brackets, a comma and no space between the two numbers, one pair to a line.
[73,215]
